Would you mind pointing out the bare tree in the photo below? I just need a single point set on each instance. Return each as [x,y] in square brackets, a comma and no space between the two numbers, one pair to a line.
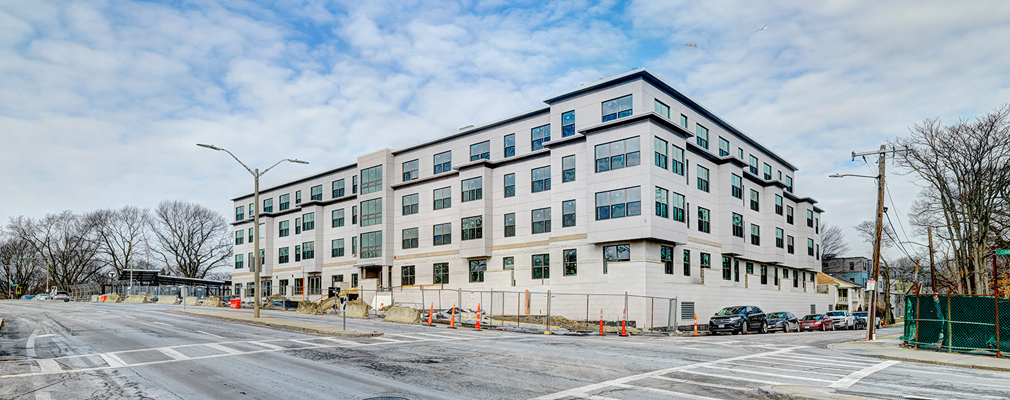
[65,243]
[190,239]
[867,232]
[20,265]
[966,169]
[122,236]
[833,243]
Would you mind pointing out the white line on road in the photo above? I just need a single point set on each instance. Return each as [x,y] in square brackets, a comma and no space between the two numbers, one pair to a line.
[174,354]
[46,335]
[268,345]
[219,347]
[744,371]
[162,323]
[30,345]
[306,343]
[699,383]
[49,366]
[735,378]
[210,334]
[854,377]
[112,360]
[807,360]
[779,368]
[676,395]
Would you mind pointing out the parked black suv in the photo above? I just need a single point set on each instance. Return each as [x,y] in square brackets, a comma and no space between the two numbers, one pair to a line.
[738,319]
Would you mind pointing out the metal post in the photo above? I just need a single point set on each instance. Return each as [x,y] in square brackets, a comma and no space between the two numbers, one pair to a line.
[256,243]
[491,322]
[669,316]
[587,308]
[626,307]
[459,297]
[548,310]
[950,329]
[998,343]
[876,243]
[652,315]
[932,274]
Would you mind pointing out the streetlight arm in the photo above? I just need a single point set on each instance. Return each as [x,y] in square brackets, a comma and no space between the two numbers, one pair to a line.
[861,176]
[286,159]
[240,162]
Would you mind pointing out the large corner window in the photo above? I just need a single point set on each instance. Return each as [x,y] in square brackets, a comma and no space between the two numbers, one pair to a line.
[473,228]
[616,108]
[371,179]
[371,212]
[443,162]
[619,203]
[540,135]
[371,244]
[618,154]
[472,189]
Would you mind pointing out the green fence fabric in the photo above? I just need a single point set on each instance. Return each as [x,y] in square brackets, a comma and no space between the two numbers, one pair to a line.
[958,323]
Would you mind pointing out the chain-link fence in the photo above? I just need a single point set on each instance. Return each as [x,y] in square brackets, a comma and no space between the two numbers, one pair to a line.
[958,323]
[84,292]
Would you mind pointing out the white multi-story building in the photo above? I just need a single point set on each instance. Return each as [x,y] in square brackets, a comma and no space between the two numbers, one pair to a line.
[622,185]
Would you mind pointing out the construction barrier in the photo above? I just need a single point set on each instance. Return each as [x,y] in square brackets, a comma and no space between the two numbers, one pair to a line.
[958,323]
[170,299]
[357,309]
[403,315]
[235,303]
[192,301]
[211,301]
[136,299]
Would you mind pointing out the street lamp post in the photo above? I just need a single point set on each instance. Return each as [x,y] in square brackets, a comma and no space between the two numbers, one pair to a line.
[255,262]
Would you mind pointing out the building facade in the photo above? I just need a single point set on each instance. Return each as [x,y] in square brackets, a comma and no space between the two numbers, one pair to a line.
[851,269]
[622,185]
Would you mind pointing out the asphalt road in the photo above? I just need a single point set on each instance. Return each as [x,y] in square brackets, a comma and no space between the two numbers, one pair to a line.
[141,351]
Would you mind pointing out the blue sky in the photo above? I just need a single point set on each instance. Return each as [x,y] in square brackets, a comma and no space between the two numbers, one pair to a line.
[101,102]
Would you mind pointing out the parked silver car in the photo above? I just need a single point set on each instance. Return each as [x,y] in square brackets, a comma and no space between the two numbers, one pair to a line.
[842,319]
[61,295]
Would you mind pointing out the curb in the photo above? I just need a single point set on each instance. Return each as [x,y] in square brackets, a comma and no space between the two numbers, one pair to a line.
[920,361]
[1,323]
[282,326]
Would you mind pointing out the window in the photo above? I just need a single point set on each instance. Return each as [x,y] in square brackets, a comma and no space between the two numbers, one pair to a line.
[316,193]
[337,246]
[371,180]
[779,238]
[706,260]
[510,225]
[617,253]
[354,246]
[778,204]
[285,200]
[666,256]
[739,153]
[284,228]
[472,189]
[677,204]
[687,262]
[789,184]
[677,160]
[268,205]
[789,214]
[541,266]
[308,221]
[238,261]
[750,268]
[371,244]
[443,234]
[568,213]
[619,203]
[737,183]
[789,245]
[510,145]
[540,135]
[768,172]
[354,184]
[764,275]
[480,150]
[736,270]
[510,185]
[251,212]
[727,268]
[810,247]
[755,235]
[702,178]
[737,225]
[817,225]
[662,202]
[298,197]
[354,280]
[616,108]
[508,263]
[250,235]
[443,198]
[683,121]
[410,170]
[723,147]
[282,255]
[753,165]
[407,275]
[568,168]
[618,154]
[662,109]
[541,179]
[570,259]
[568,124]
[541,220]
[338,218]
[371,211]
[810,218]
[701,134]
[239,213]
[308,250]
[755,200]
[441,273]
[703,219]
[477,268]
[239,237]
[443,162]
[298,226]
[780,176]
[473,228]
[661,158]
[818,252]
[410,238]
[410,204]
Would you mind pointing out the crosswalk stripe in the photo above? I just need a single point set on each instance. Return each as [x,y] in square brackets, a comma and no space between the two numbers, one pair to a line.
[339,341]
[219,347]
[789,369]
[854,377]
[174,354]
[306,343]
[735,378]
[387,339]
[809,361]
[112,360]
[268,345]
[744,371]
[699,383]
[664,392]
[49,366]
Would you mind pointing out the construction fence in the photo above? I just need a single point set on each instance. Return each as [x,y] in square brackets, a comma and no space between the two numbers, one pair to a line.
[958,323]
[83,292]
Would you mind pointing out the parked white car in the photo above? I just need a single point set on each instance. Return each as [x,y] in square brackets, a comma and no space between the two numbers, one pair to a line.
[842,319]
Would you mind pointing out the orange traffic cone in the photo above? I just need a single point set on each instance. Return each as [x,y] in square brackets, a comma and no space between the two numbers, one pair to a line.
[601,321]
[696,324]
[478,316]
[452,318]
[624,324]
[430,313]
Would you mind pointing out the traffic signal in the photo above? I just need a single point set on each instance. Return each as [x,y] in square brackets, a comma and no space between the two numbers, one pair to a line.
[18,289]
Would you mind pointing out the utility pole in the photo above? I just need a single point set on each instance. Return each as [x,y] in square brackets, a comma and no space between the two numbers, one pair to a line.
[932,267]
[881,161]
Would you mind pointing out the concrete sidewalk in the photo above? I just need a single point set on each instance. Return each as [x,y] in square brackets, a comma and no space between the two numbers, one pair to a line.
[889,347]
[245,316]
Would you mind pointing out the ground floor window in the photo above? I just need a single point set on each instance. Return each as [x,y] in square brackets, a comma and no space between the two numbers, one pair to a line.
[541,266]
[283,290]
[570,259]
[407,275]
[666,256]
[508,263]
[249,288]
[315,284]
[441,273]
[354,280]
[477,268]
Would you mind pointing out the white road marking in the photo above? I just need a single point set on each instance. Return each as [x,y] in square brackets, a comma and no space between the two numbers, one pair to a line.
[744,371]
[306,343]
[30,345]
[127,316]
[268,345]
[43,396]
[112,360]
[854,377]
[48,365]
[162,323]
[210,334]
[340,341]
[808,361]
[219,347]
[685,368]
[174,354]
[735,378]
[712,385]
[594,397]
[664,392]
[387,339]
[46,335]
[787,369]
